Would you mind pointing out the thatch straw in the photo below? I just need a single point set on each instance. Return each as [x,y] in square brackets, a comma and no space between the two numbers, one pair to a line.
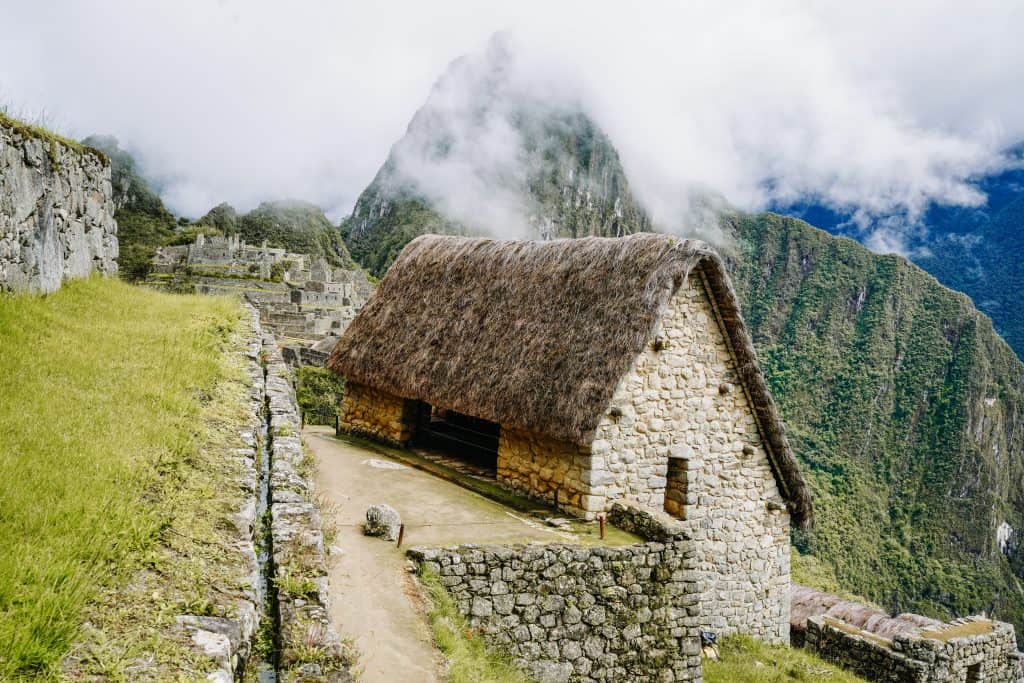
[536,335]
[810,602]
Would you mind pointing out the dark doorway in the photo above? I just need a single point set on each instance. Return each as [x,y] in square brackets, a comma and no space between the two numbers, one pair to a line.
[464,437]
[974,674]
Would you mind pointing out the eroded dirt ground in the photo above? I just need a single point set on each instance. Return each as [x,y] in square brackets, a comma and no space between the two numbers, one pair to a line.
[371,597]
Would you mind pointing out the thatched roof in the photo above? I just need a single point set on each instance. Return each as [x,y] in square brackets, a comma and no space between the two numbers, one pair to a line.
[536,335]
[810,602]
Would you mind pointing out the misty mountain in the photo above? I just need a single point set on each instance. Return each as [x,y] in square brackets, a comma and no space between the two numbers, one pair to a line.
[291,224]
[977,250]
[143,222]
[901,401]
[497,158]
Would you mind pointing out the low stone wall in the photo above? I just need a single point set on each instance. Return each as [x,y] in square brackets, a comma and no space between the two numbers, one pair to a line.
[309,647]
[555,471]
[376,414]
[575,613]
[56,213]
[228,640]
[297,356]
[965,651]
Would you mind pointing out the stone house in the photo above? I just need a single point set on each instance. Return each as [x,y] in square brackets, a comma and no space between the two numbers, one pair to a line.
[589,371]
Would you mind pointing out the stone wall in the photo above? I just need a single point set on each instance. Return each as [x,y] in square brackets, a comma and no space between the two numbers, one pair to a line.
[545,468]
[297,356]
[575,613]
[228,640]
[965,651]
[56,213]
[309,648]
[376,414]
[682,401]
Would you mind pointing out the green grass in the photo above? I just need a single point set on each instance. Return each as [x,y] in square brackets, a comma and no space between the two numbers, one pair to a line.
[30,130]
[469,659]
[103,390]
[319,393]
[745,660]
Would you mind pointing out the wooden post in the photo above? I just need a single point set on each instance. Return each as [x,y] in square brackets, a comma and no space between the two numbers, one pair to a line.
[401,534]
[601,520]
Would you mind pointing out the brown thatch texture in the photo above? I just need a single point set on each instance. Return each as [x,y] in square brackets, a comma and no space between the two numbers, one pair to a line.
[536,335]
[810,602]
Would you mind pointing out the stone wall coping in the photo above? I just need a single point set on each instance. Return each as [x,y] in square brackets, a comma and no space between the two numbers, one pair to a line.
[648,523]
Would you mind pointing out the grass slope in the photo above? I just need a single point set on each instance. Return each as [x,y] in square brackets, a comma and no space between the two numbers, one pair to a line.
[468,657]
[103,387]
[745,660]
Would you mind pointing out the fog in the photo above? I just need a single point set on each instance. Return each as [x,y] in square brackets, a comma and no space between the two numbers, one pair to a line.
[877,109]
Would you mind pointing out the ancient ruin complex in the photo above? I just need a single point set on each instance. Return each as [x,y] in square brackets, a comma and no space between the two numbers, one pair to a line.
[301,297]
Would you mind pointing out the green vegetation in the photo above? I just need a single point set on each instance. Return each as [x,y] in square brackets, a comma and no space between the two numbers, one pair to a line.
[115,400]
[745,660]
[808,570]
[222,217]
[469,658]
[143,223]
[294,225]
[319,392]
[879,372]
[986,262]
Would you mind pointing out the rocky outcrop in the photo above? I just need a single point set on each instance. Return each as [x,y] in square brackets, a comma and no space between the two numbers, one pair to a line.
[56,211]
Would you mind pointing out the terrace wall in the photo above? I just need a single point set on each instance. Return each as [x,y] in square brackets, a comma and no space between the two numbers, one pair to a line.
[582,613]
[376,414]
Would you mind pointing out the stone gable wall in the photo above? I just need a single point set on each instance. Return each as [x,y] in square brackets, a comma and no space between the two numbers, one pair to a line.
[989,656]
[56,214]
[576,613]
[682,400]
[376,414]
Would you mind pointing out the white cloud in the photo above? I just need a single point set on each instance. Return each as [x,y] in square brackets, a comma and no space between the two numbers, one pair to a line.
[867,106]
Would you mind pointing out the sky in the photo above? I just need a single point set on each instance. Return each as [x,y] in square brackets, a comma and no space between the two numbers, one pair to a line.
[871,107]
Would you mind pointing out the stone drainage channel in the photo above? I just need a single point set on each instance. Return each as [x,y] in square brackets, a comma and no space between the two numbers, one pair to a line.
[281,630]
[305,646]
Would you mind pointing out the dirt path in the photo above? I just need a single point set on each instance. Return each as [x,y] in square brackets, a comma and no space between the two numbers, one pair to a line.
[369,583]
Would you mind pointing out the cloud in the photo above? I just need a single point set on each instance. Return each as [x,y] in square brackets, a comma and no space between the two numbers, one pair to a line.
[860,106]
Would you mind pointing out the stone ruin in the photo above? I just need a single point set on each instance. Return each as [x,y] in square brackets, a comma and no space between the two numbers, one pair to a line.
[302,298]
[906,648]
[575,613]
